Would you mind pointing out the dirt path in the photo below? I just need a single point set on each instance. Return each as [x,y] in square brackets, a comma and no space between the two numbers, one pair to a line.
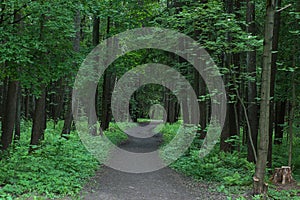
[164,184]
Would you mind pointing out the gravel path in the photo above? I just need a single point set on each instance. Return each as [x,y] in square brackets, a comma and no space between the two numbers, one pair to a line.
[164,184]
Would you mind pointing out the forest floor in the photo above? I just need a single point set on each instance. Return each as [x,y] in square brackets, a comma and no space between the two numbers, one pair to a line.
[163,184]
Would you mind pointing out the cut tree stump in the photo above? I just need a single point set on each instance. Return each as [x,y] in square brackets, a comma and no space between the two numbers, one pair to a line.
[282,175]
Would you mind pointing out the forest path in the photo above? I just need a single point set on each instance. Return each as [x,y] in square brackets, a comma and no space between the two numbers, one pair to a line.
[163,184]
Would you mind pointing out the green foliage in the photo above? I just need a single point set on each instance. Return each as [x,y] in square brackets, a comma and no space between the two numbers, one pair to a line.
[231,170]
[59,167]
[275,194]
[228,168]
[280,155]
[114,133]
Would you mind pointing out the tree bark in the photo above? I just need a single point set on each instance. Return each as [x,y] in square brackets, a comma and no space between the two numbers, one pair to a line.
[18,114]
[27,105]
[107,88]
[9,116]
[4,97]
[68,118]
[252,90]
[291,120]
[230,126]
[259,186]
[38,126]
[273,80]
[108,85]
[279,121]
[282,175]
[58,100]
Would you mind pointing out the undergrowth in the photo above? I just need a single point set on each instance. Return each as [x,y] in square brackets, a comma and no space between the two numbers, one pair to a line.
[58,168]
[231,171]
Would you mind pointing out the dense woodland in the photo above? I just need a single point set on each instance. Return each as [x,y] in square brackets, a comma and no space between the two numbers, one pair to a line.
[255,45]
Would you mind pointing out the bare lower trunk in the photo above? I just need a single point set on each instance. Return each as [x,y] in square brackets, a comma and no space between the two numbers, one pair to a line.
[68,118]
[108,85]
[9,116]
[273,78]
[252,91]
[38,126]
[279,121]
[259,185]
[18,115]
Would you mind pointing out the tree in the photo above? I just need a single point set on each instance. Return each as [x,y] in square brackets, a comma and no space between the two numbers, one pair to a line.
[259,186]
[10,101]
[76,47]
[252,90]
[8,121]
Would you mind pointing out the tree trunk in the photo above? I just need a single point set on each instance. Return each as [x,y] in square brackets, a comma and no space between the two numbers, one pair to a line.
[200,90]
[108,85]
[68,118]
[107,88]
[229,129]
[18,114]
[38,126]
[279,121]
[27,105]
[203,108]
[252,91]
[96,30]
[259,186]
[58,100]
[291,120]
[9,116]
[273,79]
[230,126]
[4,97]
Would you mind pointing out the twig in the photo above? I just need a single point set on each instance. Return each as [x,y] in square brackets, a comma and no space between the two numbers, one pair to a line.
[285,7]
[248,124]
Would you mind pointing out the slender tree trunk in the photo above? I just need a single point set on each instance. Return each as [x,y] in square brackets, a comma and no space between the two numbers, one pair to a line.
[4,97]
[38,126]
[92,119]
[27,105]
[108,85]
[230,126]
[58,100]
[96,31]
[291,120]
[259,186]
[252,90]
[229,129]
[273,79]
[18,114]
[96,41]
[107,88]
[203,108]
[9,116]
[200,90]
[279,121]
[68,118]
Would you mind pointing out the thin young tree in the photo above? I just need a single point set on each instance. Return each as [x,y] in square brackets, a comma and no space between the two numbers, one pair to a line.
[259,185]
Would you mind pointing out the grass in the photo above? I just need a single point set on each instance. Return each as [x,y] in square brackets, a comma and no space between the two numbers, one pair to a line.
[57,169]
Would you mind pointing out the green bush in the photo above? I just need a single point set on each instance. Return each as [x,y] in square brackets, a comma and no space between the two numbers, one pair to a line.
[228,168]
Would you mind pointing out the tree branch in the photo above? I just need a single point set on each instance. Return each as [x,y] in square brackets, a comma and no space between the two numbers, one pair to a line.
[285,7]
[17,21]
